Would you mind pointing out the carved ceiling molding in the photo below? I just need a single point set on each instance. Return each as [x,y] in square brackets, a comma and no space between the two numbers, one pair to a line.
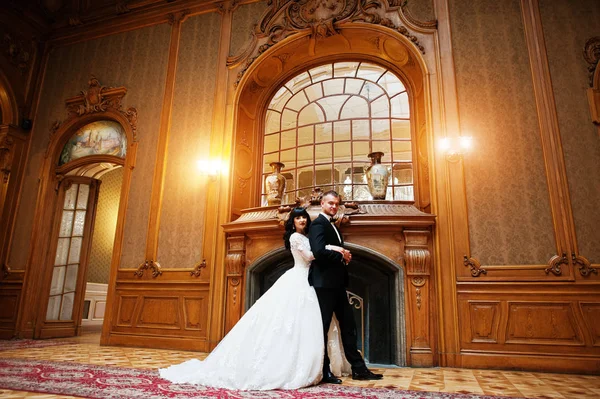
[323,18]
[591,53]
[98,98]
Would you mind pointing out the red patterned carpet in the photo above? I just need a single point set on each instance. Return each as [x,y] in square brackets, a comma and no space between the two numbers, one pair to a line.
[119,383]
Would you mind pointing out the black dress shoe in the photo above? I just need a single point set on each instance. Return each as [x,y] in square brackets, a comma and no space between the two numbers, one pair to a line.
[329,378]
[366,374]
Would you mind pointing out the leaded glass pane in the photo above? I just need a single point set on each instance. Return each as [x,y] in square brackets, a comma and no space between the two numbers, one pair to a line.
[305,135]
[62,250]
[400,106]
[354,86]
[75,250]
[305,177]
[382,146]
[323,132]
[380,108]
[288,158]
[341,151]
[402,151]
[288,139]
[82,198]
[361,130]
[341,130]
[333,86]
[323,153]
[271,143]
[298,82]
[58,280]
[370,72]
[360,150]
[355,107]
[310,115]
[391,84]
[79,223]
[298,101]
[53,308]
[400,129]
[66,224]
[272,122]
[371,91]
[71,278]
[314,92]
[267,159]
[341,69]
[323,175]
[280,99]
[66,311]
[305,155]
[288,119]
[404,193]
[380,130]
[71,196]
[321,72]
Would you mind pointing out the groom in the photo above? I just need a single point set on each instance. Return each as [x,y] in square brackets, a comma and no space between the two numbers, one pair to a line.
[329,276]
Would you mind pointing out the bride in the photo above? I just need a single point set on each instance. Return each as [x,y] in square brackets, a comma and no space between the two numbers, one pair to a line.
[278,343]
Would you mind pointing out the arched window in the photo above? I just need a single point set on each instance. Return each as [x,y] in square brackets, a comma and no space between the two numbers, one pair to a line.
[323,122]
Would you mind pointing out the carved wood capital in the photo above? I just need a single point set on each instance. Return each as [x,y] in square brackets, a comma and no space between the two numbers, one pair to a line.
[234,261]
[417,255]
[7,145]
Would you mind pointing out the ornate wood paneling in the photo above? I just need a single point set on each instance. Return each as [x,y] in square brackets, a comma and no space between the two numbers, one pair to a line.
[125,310]
[542,323]
[11,285]
[159,312]
[591,316]
[484,319]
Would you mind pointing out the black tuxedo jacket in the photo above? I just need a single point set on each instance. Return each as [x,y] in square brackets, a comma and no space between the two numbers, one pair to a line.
[328,269]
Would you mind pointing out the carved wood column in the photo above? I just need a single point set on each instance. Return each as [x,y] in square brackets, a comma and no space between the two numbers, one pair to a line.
[419,296]
[234,264]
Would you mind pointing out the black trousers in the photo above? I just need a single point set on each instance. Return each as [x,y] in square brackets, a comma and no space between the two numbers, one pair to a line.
[334,300]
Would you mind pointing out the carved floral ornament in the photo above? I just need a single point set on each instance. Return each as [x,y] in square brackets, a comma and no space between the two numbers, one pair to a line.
[97,99]
[323,18]
[591,53]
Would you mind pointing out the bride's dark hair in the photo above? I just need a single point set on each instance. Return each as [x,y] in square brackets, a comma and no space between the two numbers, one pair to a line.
[289,224]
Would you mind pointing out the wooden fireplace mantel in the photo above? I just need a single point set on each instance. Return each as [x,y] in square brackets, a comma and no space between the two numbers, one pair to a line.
[395,230]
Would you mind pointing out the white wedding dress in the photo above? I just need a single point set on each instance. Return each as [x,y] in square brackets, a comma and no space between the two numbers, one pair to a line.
[277,344]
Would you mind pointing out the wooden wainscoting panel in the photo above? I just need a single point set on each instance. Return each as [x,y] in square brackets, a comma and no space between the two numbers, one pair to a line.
[591,316]
[195,314]
[159,312]
[551,323]
[126,310]
[9,302]
[484,319]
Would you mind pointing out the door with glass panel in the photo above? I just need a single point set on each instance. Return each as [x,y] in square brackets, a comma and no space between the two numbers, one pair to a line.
[67,262]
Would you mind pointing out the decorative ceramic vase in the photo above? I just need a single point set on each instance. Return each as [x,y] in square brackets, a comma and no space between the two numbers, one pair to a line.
[275,184]
[377,176]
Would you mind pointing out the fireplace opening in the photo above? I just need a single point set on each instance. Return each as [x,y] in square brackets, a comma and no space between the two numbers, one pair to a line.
[375,290]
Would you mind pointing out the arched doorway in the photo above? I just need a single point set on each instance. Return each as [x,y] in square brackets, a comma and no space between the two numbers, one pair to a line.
[375,289]
[96,137]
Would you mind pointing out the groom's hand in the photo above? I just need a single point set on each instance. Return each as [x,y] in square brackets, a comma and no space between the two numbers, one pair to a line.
[347,256]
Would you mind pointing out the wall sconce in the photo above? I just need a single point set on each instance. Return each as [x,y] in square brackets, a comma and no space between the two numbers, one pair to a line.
[455,147]
[211,168]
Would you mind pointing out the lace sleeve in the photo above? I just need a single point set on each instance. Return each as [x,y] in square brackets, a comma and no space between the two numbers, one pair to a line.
[300,244]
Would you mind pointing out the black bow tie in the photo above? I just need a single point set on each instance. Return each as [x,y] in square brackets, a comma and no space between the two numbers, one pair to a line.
[332,220]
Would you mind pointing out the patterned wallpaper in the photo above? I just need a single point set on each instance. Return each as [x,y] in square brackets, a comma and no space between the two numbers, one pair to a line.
[136,60]
[244,19]
[105,223]
[184,198]
[566,29]
[509,211]
[421,9]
